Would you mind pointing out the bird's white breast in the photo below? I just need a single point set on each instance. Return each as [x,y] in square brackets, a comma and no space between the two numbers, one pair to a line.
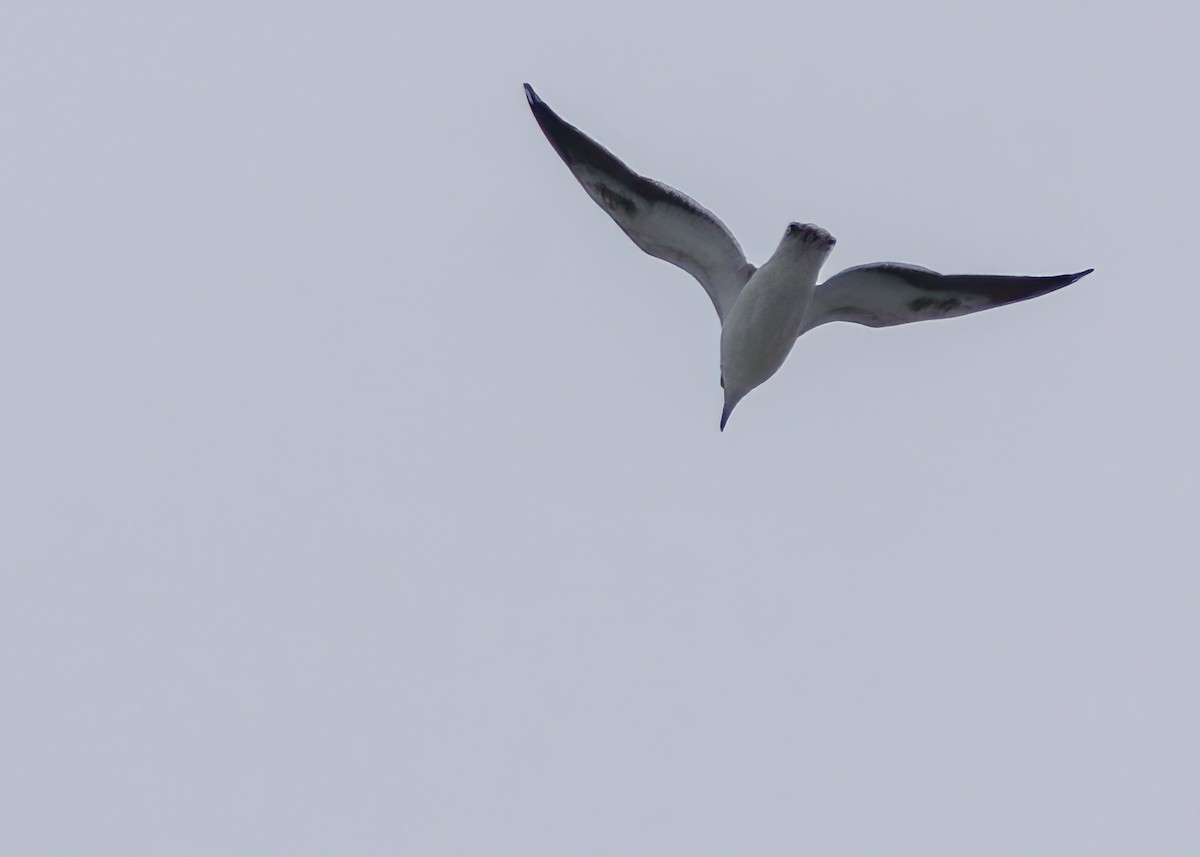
[762,327]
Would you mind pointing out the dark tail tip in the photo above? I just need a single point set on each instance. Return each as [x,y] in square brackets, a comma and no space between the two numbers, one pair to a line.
[531,95]
[725,412]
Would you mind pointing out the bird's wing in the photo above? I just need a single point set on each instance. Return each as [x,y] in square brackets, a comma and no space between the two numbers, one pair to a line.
[662,221]
[888,293]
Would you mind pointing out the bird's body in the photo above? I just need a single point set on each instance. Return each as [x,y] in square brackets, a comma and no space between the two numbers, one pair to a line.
[758,333]
[763,310]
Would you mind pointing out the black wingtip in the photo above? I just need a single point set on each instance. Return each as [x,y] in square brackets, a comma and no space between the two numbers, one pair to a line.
[1045,285]
[565,138]
[576,147]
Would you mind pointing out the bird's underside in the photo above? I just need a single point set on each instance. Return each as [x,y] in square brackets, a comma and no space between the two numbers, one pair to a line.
[671,226]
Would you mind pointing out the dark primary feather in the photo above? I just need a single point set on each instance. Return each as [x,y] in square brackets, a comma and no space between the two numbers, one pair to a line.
[660,220]
[889,293]
[997,289]
[577,148]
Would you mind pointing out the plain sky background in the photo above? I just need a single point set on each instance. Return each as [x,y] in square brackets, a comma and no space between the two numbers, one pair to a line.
[362,487]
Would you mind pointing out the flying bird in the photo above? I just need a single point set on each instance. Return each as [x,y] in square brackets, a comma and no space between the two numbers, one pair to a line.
[764,310]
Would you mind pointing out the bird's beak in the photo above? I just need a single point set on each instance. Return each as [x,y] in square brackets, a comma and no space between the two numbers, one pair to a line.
[731,400]
[726,411]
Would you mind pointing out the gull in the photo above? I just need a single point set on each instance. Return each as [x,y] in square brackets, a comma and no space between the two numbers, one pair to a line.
[764,310]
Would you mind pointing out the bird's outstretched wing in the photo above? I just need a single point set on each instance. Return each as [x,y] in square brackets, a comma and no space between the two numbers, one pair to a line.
[888,293]
[662,221]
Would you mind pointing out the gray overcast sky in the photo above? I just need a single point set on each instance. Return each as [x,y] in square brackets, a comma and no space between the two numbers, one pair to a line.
[363,492]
